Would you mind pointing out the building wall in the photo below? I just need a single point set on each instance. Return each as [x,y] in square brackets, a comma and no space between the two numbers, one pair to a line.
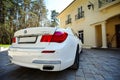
[92,18]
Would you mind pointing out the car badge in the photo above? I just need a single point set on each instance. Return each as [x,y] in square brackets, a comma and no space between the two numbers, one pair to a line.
[25,31]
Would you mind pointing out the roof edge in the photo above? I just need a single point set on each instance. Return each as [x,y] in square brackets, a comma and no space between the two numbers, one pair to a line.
[66,7]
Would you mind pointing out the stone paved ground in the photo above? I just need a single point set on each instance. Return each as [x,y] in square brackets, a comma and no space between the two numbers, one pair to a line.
[99,65]
[94,65]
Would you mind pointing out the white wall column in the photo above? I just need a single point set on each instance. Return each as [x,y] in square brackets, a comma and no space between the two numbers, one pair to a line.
[104,39]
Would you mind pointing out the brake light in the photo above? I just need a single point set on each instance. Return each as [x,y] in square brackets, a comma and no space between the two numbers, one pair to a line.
[14,40]
[58,37]
[46,38]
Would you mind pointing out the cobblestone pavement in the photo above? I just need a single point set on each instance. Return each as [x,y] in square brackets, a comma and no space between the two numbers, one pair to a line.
[94,65]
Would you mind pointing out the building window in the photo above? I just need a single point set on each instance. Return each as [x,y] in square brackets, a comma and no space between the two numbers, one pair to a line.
[68,19]
[80,13]
[81,35]
[104,2]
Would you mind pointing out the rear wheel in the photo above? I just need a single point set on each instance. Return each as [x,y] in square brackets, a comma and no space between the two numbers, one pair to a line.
[75,66]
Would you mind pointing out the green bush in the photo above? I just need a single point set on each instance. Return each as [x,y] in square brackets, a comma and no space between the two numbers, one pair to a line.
[4,45]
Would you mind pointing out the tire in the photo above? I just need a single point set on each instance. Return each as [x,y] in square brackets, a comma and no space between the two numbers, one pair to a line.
[81,51]
[75,66]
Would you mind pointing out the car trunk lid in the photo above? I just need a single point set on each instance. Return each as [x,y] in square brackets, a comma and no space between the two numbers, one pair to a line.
[30,37]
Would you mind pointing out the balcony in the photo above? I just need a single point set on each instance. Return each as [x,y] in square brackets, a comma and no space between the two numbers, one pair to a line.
[68,21]
[106,3]
[79,15]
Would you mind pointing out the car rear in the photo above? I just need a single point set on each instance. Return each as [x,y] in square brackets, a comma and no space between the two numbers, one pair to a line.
[43,48]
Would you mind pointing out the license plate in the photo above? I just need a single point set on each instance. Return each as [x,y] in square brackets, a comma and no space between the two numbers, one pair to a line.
[27,39]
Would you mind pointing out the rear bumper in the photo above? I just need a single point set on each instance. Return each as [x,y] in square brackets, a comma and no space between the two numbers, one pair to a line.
[35,59]
[44,66]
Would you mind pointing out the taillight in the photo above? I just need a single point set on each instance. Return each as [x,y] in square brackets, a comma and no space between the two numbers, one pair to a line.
[14,40]
[58,37]
[46,38]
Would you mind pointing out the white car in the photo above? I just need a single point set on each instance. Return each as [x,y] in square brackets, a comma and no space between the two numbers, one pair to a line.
[45,48]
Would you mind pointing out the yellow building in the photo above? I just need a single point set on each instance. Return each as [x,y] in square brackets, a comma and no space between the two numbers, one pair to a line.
[97,22]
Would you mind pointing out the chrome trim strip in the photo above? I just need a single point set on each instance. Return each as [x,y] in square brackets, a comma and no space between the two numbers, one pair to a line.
[46,62]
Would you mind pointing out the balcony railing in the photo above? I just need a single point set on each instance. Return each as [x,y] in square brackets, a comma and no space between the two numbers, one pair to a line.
[104,2]
[68,21]
[79,15]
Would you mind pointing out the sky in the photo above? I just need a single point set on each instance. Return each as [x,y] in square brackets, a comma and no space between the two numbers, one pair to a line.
[57,5]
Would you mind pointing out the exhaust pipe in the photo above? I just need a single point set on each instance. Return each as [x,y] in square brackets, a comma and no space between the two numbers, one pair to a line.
[48,67]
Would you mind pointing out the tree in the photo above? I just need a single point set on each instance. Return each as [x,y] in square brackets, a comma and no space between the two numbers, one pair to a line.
[7,15]
[19,14]
[54,20]
[40,10]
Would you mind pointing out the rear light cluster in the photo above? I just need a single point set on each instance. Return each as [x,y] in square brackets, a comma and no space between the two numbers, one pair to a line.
[58,37]
[14,40]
